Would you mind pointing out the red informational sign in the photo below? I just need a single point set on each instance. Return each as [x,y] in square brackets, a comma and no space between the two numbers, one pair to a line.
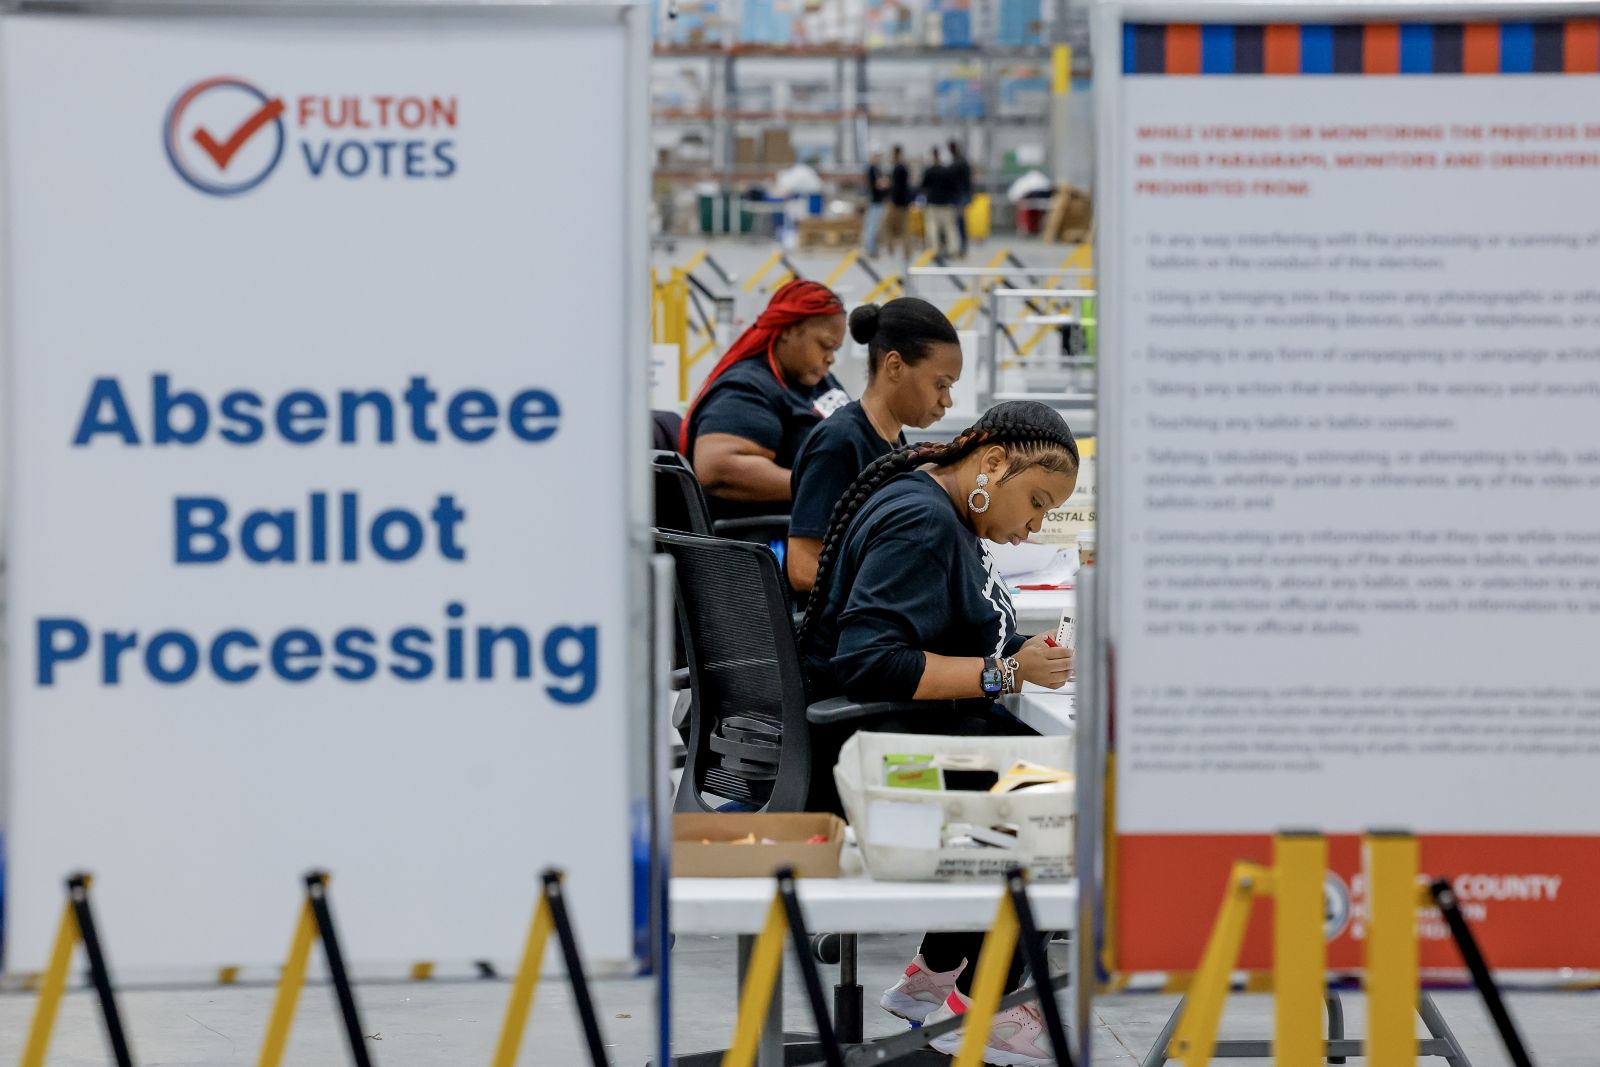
[1530,900]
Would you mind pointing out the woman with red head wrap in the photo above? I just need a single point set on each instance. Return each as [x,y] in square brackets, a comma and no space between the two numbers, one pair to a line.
[763,397]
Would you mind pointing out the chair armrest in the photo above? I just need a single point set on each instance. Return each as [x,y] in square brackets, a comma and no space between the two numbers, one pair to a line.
[843,709]
[734,528]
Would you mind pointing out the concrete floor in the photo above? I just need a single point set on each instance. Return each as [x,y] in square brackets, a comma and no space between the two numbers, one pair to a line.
[456,1023]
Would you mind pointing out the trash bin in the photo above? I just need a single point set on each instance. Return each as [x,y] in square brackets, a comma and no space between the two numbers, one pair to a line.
[721,212]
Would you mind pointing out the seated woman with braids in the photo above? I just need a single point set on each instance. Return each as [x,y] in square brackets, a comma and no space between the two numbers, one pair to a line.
[910,606]
[762,399]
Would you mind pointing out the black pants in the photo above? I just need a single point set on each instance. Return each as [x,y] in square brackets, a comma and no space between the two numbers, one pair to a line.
[944,952]
[940,951]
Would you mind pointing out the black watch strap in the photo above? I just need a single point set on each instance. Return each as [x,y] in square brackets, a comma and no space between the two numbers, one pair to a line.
[993,678]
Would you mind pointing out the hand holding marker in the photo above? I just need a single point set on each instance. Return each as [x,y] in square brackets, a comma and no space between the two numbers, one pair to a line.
[1066,636]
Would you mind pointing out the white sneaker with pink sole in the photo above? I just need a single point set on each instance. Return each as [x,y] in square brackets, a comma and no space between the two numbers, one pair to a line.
[919,990]
[1016,1038]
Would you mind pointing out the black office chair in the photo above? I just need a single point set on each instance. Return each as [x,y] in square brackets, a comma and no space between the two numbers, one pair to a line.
[681,505]
[760,529]
[751,734]
[757,529]
[754,736]
[664,427]
[680,502]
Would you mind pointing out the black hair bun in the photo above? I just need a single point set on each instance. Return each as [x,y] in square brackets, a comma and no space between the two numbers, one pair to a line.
[864,323]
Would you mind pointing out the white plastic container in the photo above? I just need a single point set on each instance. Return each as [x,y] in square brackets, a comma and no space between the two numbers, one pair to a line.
[902,832]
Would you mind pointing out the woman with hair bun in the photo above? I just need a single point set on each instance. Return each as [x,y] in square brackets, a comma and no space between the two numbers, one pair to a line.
[909,606]
[913,360]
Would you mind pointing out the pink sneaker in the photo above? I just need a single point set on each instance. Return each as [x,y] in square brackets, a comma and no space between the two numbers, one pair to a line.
[920,991]
[1016,1039]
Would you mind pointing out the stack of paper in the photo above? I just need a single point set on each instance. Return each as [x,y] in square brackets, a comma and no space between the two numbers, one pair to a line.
[1056,574]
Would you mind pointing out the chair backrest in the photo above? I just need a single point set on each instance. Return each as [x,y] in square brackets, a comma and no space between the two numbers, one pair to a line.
[748,739]
[680,502]
[664,427]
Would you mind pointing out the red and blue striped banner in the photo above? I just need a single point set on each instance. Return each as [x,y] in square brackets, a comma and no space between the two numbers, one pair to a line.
[1543,47]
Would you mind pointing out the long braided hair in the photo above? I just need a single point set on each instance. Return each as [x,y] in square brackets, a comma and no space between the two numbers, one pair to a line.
[1034,435]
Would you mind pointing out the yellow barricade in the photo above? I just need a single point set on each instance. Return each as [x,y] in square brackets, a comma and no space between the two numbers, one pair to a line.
[77,928]
[51,990]
[980,217]
[754,280]
[1299,972]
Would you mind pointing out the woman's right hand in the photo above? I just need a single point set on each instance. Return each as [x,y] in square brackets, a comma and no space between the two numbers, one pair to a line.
[1044,664]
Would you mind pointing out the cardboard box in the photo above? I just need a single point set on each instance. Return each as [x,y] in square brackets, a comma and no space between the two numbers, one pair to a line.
[1071,216]
[746,151]
[838,231]
[693,857]
[777,149]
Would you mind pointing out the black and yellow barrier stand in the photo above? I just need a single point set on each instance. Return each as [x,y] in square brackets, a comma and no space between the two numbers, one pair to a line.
[77,926]
[316,922]
[549,914]
[1444,898]
[1013,930]
[784,922]
[1299,976]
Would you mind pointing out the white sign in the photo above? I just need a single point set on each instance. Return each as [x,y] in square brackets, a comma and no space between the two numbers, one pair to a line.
[325,513]
[1354,559]
[1356,474]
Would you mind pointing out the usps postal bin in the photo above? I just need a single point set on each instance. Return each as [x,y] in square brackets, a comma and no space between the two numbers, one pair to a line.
[923,832]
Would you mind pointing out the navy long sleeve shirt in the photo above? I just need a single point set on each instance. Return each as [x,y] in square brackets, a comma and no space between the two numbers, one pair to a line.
[911,578]
[747,401]
[832,456]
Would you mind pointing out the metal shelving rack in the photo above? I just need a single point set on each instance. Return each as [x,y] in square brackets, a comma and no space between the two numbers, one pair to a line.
[853,120]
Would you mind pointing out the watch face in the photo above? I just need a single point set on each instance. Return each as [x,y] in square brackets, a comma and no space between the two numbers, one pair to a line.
[992,680]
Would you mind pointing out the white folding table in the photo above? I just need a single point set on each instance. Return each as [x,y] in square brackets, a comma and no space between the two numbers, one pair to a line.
[738,906]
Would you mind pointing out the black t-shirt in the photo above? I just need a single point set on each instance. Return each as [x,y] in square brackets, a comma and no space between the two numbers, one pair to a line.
[900,185]
[961,174]
[829,461]
[747,401]
[874,176]
[939,185]
[910,578]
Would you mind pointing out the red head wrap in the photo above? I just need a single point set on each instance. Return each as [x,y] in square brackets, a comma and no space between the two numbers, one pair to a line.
[794,302]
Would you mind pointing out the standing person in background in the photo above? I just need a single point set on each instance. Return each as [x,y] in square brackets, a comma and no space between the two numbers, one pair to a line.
[961,171]
[938,185]
[897,214]
[877,197]
[763,398]
[913,360]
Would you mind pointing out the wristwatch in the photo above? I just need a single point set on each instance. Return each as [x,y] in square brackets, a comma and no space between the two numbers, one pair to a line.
[993,678]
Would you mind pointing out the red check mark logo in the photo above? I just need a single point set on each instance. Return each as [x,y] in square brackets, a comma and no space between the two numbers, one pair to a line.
[223,153]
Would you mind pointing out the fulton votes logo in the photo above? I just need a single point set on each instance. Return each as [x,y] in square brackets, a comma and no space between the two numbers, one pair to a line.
[225,136]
